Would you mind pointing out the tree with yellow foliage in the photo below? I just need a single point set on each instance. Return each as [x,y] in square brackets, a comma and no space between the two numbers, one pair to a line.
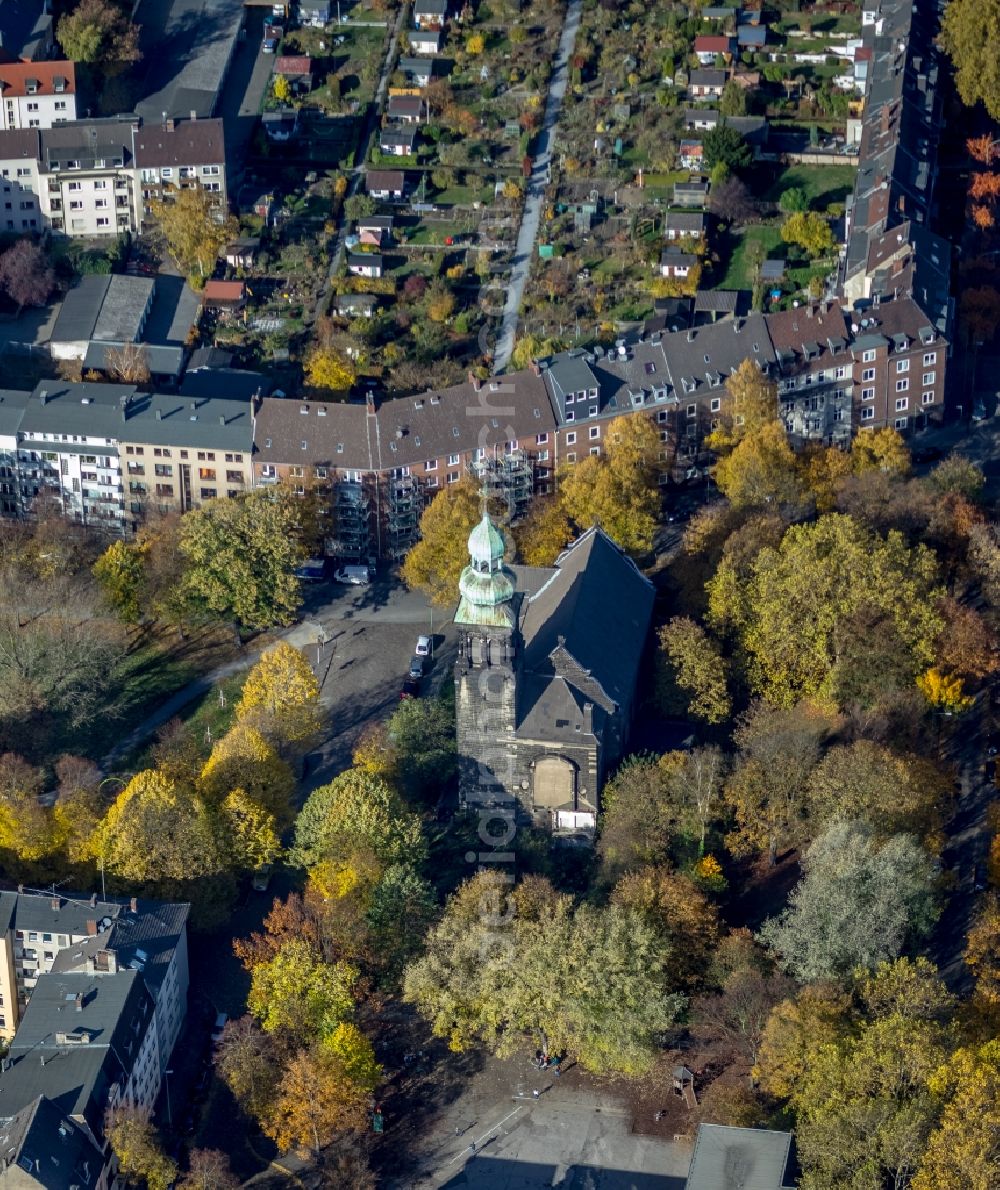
[944,692]
[618,489]
[751,404]
[196,229]
[982,952]
[250,830]
[140,1154]
[281,697]
[475,45]
[821,469]
[328,368]
[435,562]
[243,759]
[760,470]
[880,450]
[28,830]
[316,1100]
[544,533]
[962,1149]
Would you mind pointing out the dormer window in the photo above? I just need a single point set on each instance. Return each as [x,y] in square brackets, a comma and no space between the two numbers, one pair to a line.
[31,86]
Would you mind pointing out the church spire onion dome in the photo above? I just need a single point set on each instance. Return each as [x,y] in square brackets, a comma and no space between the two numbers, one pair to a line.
[486,585]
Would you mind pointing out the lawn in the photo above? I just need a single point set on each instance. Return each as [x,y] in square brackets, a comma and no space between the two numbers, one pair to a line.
[823,184]
[738,273]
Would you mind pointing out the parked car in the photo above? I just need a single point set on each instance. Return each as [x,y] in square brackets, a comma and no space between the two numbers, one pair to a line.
[312,570]
[927,454]
[423,648]
[410,689]
[220,1024]
[981,878]
[355,576]
[272,39]
[416,667]
[262,878]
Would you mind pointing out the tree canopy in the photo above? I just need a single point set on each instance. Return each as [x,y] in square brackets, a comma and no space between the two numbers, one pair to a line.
[969,30]
[860,902]
[195,229]
[241,557]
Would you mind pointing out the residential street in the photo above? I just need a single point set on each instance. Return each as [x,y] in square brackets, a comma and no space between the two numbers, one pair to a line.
[535,195]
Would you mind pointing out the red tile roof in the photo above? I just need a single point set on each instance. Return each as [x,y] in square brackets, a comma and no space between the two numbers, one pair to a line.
[14,78]
[224,291]
[292,64]
[707,44]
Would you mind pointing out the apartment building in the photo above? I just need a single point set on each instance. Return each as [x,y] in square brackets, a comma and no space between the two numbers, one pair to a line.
[37,94]
[105,454]
[99,177]
[179,154]
[42,1149]
[382,462]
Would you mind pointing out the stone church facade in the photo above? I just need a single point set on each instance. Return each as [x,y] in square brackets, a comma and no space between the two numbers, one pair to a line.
[545,678]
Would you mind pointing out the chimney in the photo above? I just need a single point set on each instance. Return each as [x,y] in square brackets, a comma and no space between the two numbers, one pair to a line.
[535,368]
[474,380]
[134,905]
[91,928]
[93,900]
[809,310]
[222,419]
[55,904]
[588,717]
[43,396]
[194,115]
[78,1002]
[690,336]
[370,403]
[169,124]
[159,415]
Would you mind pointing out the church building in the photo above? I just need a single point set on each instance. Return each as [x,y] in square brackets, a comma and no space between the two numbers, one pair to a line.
[545,679]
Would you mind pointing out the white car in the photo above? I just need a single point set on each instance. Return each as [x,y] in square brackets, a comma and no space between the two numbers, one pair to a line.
[355,576]
[423,648]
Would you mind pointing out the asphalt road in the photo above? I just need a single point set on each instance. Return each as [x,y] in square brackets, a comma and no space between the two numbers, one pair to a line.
[535,194]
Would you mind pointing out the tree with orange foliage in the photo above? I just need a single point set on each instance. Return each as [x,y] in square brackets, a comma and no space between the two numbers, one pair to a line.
[985,185]
[979,308]
[982,149]
[982,217]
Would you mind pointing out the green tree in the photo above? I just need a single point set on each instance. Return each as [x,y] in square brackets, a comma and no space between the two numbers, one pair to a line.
[618,489]
[521,968]
[967,35]
[299,996]
[99,32]
[121,572]
[421,736]
[241,556]
[724,145]
[766,792]
[868,781]
[959,475]
[356,812]
[863,1105]
[810,231]
[859,903]
[792,200]
[140,1154]
[195,228]
[734,100]
[796,614]
[693,671]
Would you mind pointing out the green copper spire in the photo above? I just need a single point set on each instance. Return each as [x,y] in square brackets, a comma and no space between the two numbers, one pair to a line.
[487,586]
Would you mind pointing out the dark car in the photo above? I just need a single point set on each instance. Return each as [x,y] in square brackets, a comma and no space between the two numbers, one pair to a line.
[927,454]
[411,688]
[416,666]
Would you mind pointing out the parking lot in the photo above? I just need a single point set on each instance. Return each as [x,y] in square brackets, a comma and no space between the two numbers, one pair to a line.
[365,638]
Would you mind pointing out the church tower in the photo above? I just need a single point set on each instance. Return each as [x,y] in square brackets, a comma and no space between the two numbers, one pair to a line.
[486,671]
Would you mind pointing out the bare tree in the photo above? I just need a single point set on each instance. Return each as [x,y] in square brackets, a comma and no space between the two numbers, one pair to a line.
[26,275]
[128,364]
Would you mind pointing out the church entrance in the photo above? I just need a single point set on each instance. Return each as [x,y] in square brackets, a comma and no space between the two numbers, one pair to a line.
[554,784]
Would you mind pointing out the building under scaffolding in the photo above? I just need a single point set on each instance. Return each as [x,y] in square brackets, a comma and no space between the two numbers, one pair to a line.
[509,478]
[404,502]
[352,538]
